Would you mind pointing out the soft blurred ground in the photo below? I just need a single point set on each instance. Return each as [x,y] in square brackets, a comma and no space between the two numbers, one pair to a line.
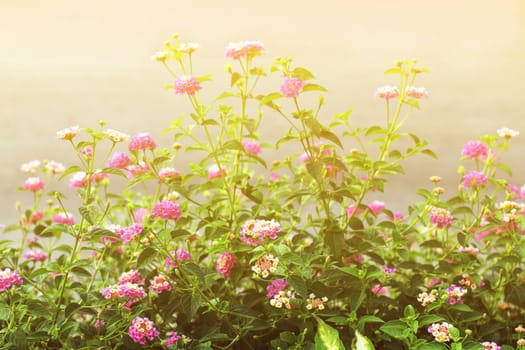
[65,63]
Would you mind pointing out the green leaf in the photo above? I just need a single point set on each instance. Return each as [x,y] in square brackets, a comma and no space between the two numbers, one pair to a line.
[195,303]
[299,285]
[146,256]
[313,87]
[302,74]
[395,329]
[362,342]
[429,319]
[328,135]
[5,311]
[395,70]
[429,153]
[270,97]
[432,346]
[327,338]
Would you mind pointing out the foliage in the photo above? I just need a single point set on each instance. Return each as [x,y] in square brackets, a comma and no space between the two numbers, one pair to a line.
[234,252]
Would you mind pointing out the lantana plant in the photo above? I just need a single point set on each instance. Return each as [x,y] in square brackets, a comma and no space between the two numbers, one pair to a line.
[242,249]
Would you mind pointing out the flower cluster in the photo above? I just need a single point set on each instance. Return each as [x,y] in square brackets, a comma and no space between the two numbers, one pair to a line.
[275,287]
[225,264]
[291,87]
[9,278]
[142,142]
[119,160]
[251,147]
[474,179]
[128,287]
[265,265]
[243,49]
[127,234]
[440,331]
[255,232]
[167,210]
[475,150]
[116,136]
[315,303]
[159,283]
[283,298]
[490,345]
[68,133]
[186,85]
[454,294]
[416,92]
[178,255]
[142,330]
[387,92]
[426,299]
[35,255]
[441,217]
[64,218]
[33,184]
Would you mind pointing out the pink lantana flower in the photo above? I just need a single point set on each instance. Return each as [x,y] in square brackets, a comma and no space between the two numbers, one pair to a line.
[33,184]
[78,180]
[167,210]
[441,217]
[214,172]
[159,283]
[291,87]
[440,331]
[186,85]
[119,160]
[35,255]
[251,147]
[376,207]
[140,213]
[131,276]
[416,92]
[64,218]
[9,278]
[387,92]
[474,179]
[490,345]
[255,232]
[275,287]
[142,330]
[225,264]
[378,289]
[244,49]
[475,150]
[138,169]
[141,142]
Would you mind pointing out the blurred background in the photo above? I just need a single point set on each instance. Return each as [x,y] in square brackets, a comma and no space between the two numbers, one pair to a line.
[65,63]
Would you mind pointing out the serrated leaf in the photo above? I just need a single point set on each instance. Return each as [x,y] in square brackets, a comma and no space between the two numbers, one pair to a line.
[145,256]
[298,284]
[5,311]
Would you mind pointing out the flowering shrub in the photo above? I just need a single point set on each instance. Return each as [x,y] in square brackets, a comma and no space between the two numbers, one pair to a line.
[233,252]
